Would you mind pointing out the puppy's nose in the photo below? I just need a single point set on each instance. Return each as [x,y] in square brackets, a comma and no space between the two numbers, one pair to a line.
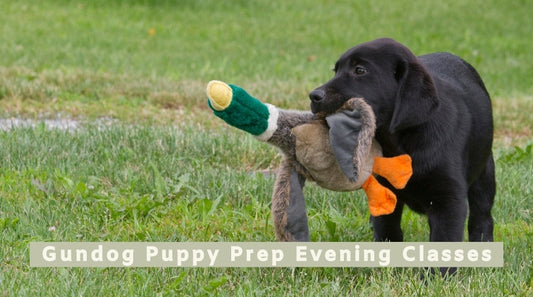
[317,95]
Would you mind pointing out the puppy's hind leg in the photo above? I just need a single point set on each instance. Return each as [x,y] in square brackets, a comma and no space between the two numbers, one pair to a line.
[480,200]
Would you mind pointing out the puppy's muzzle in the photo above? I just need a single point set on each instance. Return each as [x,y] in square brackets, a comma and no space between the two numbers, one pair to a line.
[317,95]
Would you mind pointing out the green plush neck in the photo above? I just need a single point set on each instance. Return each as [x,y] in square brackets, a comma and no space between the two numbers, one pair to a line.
[244,111]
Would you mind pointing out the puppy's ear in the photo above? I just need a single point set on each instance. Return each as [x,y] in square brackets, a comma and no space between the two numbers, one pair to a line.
[416,98]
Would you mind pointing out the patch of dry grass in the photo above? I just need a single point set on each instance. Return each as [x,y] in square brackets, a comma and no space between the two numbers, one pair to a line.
[513,121]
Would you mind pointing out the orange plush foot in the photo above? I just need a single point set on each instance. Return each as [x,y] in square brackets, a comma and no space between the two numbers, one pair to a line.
[397,170]
[381,201]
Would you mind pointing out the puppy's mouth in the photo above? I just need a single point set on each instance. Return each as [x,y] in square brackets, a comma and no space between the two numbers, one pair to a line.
[315,108]
[327,107]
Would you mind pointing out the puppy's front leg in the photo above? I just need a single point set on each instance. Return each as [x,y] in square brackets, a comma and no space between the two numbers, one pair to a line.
[288,205]
[388,227]
[446,227]
[447,217]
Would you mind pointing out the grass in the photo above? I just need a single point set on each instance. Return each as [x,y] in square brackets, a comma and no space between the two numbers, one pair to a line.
[150,163]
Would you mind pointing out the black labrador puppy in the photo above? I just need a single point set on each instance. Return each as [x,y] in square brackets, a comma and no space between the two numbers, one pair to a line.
[436,109]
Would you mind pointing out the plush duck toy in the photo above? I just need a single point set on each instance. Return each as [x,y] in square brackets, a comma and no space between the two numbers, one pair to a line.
[338,152]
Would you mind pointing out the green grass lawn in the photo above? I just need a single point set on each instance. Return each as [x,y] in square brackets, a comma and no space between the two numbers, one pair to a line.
[150,163]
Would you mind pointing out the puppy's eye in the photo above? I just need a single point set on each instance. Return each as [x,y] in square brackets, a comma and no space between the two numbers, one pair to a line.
[359,70]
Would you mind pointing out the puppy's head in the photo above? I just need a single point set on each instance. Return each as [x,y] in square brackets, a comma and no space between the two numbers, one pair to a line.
[388,76]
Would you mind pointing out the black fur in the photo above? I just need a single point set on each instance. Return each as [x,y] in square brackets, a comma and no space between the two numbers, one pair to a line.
[436,109]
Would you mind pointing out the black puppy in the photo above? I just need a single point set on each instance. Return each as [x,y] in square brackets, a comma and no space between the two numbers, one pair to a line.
[436,109]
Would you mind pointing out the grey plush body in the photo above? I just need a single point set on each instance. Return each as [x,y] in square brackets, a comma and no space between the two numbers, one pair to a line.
[336,152]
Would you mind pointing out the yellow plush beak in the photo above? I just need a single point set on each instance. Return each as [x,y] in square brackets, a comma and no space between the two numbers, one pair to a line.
[219,94]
